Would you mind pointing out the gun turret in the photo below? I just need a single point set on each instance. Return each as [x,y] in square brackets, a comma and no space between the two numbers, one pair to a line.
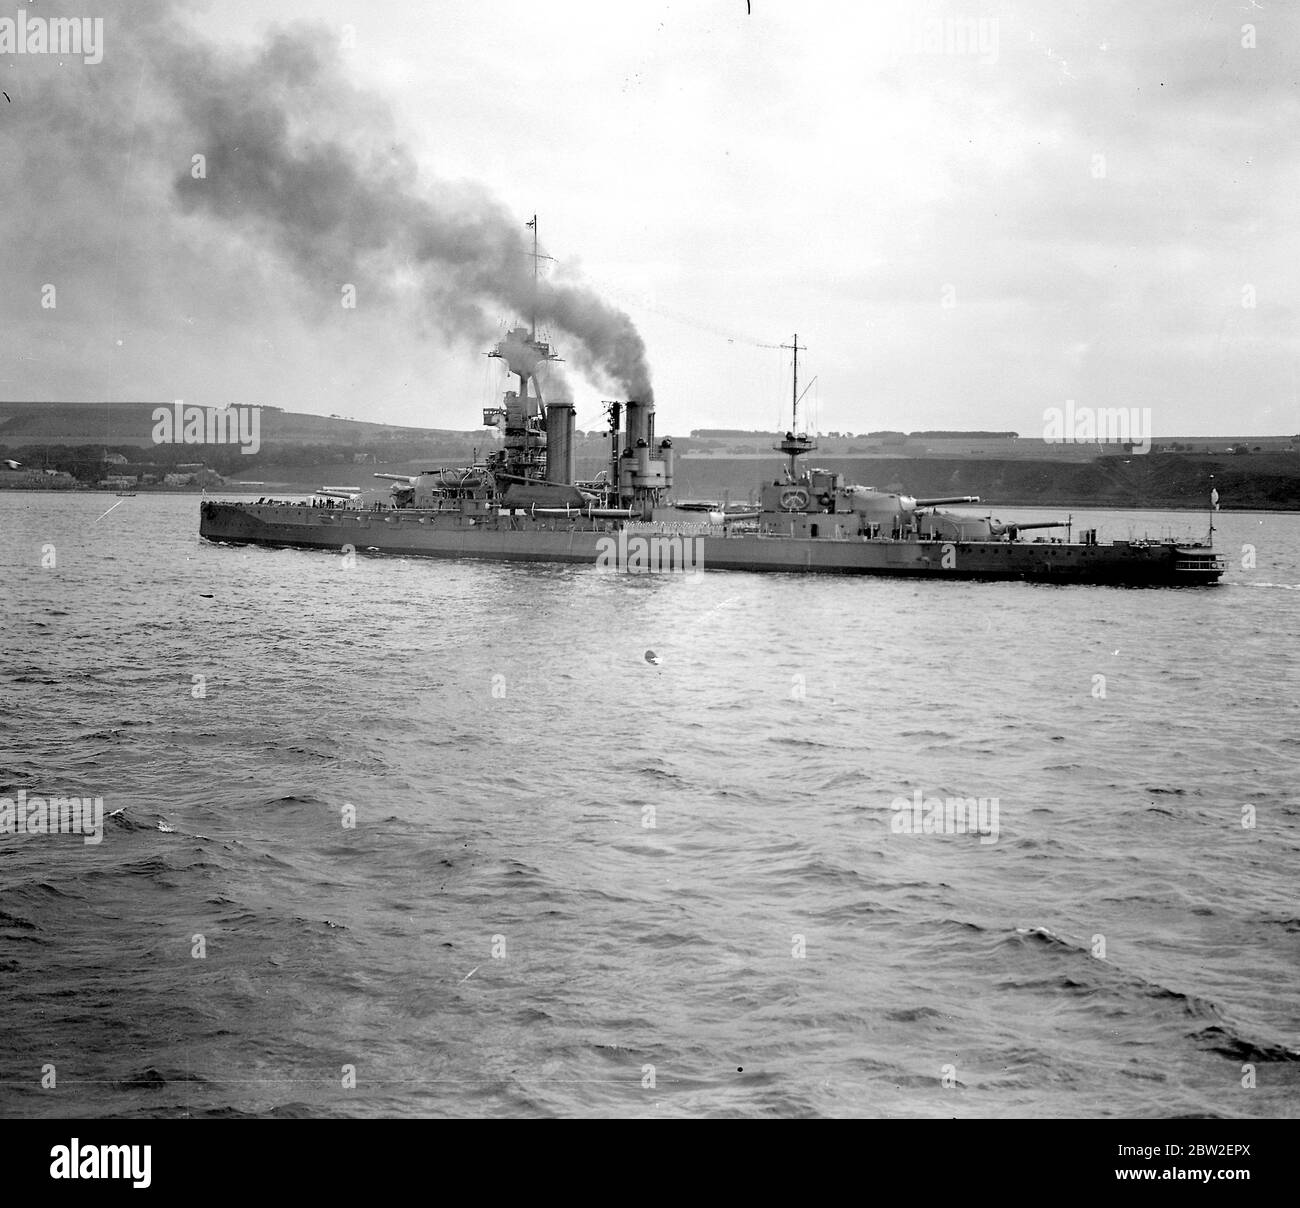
[998,529]
[953,526]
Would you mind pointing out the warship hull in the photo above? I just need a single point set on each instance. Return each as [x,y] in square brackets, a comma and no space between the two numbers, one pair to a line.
[670,546]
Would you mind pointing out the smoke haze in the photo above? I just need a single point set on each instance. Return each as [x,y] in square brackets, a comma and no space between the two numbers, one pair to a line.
[177,159]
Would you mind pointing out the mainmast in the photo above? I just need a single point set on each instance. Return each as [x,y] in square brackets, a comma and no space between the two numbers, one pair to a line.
[796,348]
[795,445]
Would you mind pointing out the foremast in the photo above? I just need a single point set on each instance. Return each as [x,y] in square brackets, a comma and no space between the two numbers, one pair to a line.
[540,440]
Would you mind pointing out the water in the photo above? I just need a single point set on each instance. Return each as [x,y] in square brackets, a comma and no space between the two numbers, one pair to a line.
[571,864]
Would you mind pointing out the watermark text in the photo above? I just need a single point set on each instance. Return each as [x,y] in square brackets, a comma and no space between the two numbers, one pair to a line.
[1098,425]
[945,816]
[182,425]
[25,34]
[53,816]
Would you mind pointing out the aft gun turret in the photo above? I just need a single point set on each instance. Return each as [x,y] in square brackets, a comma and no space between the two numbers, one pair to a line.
[936,525]
[1014,528]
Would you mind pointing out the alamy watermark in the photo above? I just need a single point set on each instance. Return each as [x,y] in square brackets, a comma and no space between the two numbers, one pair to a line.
[182,425]
[650,555]
[976,36]
[25,34]
[86,1161]
[1073,425]
[53,816]
[945,816]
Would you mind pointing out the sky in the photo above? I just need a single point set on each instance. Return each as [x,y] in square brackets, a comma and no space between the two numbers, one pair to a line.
[968,212]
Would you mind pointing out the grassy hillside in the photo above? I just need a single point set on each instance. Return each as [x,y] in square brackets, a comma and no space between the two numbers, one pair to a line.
[132,424]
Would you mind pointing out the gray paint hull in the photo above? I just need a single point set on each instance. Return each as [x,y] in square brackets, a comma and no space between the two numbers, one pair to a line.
[444,535]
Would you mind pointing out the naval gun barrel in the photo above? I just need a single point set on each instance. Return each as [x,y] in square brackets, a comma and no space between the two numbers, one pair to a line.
[932,503]
[398,478]
[591,511]
[1013,528]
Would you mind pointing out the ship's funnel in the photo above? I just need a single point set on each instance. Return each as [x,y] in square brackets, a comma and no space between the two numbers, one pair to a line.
[666,456]
[561,450]
[639,422]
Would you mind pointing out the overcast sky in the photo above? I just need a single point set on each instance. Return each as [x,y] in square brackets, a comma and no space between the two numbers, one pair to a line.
[1085,201]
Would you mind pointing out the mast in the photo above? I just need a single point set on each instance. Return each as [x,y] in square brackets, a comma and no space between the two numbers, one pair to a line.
[794,445]
[538,257]
[796,347]
[532,320]
[524,355]
[794,384]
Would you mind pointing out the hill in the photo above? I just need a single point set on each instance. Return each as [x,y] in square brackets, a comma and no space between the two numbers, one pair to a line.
[132,424]
[112,443]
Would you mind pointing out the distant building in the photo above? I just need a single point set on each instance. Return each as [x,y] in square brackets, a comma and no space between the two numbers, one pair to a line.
[26,478]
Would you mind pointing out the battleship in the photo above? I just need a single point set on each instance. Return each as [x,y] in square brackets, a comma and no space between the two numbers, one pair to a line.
[524,502]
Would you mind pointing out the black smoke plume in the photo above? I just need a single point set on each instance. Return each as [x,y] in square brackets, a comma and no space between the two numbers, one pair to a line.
[297,155]
[303,170]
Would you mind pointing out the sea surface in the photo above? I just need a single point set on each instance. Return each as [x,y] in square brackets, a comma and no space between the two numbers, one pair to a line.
[405,838]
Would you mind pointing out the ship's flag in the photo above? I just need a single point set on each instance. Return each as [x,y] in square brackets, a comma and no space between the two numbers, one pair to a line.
[531,224]
[1214,497]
